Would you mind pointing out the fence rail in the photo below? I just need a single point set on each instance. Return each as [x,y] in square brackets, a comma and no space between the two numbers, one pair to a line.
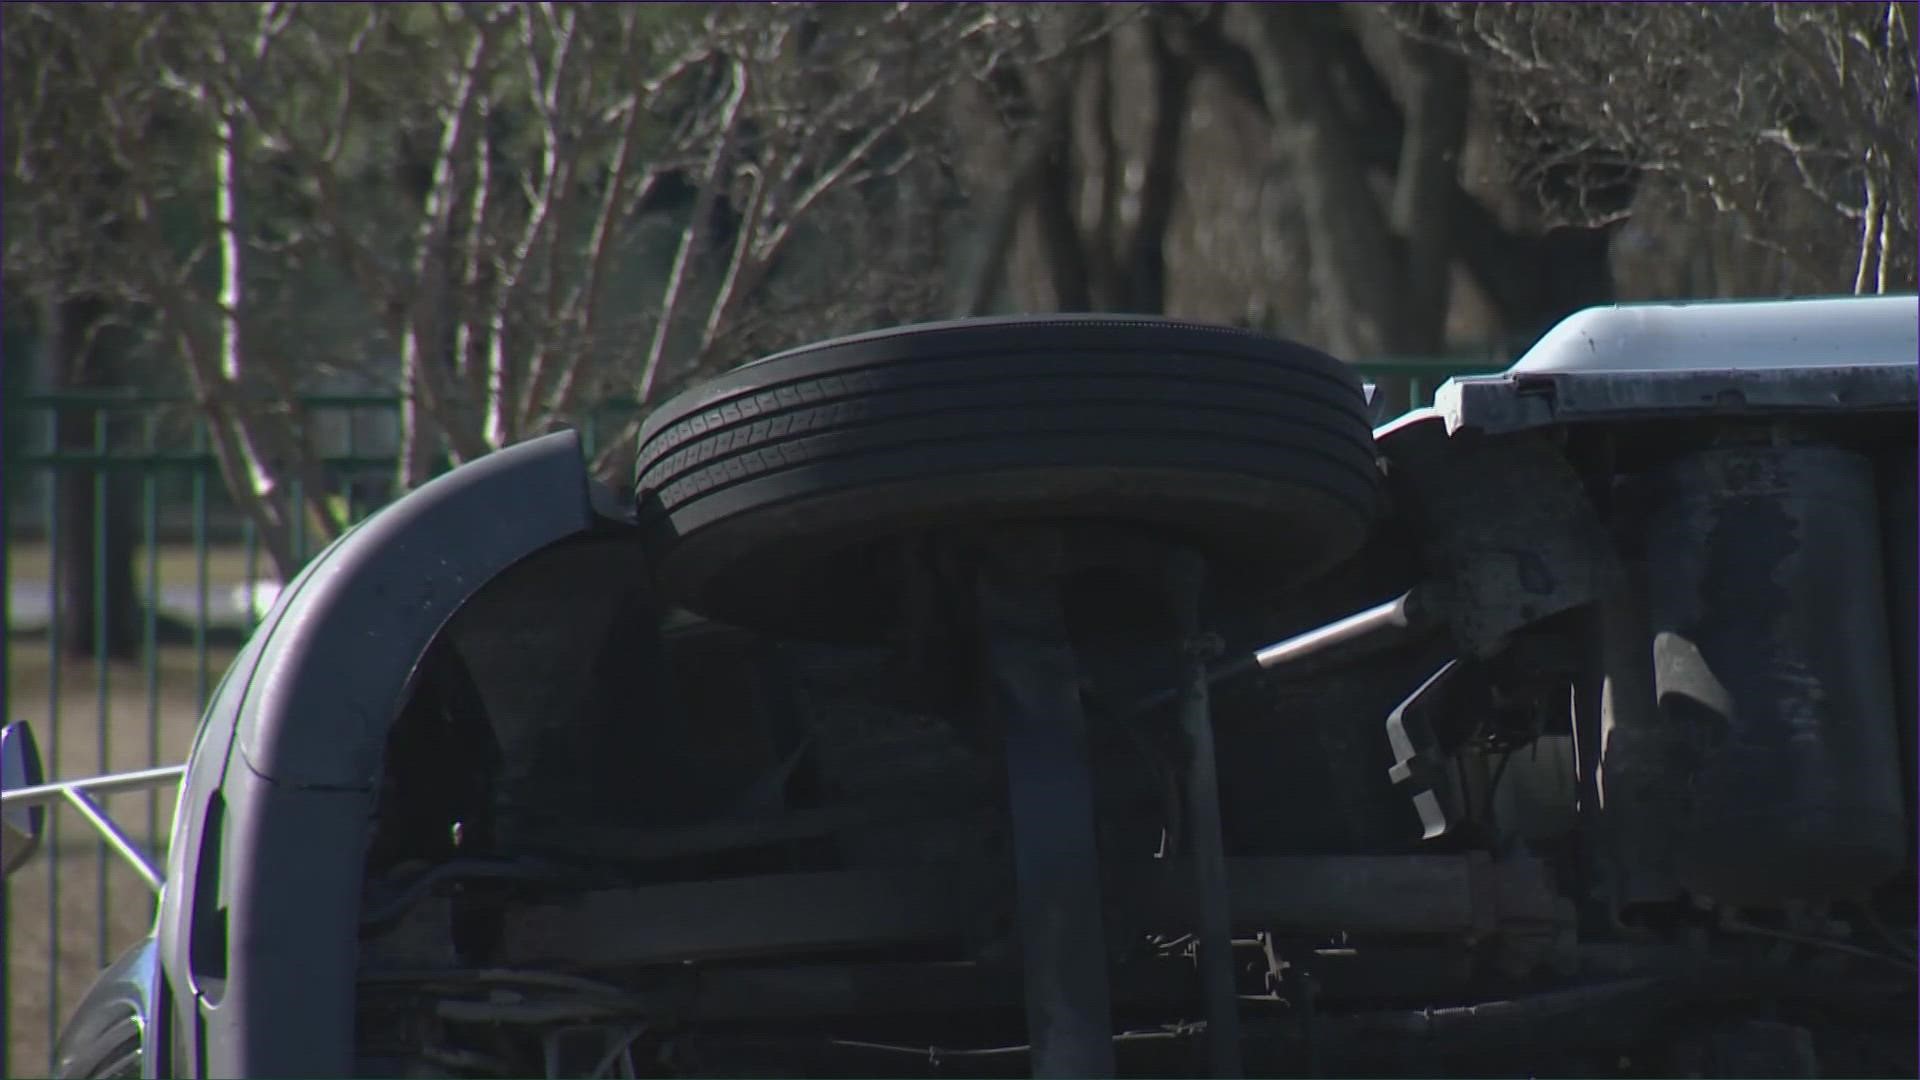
[130,578]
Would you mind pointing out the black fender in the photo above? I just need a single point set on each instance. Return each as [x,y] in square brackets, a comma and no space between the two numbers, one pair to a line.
[257,933]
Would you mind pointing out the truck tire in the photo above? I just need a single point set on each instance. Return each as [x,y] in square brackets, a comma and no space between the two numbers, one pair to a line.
[776,496]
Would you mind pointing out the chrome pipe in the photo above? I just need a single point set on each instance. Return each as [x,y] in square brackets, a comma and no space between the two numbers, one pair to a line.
[1398,612]
[117,839]
[79,795]
[44,794]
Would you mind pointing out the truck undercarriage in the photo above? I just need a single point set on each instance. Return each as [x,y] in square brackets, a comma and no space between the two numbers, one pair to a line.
[1087,696]
[1610,776]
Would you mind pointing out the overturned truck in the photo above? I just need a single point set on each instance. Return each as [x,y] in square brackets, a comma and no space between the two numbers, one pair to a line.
[1083,696]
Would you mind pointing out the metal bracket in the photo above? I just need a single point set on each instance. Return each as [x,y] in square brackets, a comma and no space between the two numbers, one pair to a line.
[1418,758]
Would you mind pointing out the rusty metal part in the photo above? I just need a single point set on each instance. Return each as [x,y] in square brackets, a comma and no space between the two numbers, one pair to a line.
[1187,573]
[1770,654]
[1465,895]
[612,928]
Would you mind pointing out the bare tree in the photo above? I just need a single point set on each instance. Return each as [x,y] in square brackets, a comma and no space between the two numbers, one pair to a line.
[1371,186]
[1405,179]
[511,214]
[1795,121]
[1344,218]
[85,343]
[1076,215]
[1380,261]
[531,208]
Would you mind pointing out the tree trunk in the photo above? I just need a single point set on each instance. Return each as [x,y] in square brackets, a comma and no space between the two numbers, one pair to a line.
[1354,261]
[1433,88]
[1053,210]
[94,506]
[1532,280]
[986,277]
[1144,277]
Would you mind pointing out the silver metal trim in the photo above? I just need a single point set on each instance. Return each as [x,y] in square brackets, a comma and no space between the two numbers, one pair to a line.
[1393,613]
[109,784]
[79,795]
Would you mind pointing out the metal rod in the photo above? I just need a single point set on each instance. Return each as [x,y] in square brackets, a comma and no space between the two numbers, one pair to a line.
[250,539]
[201,540]
[42,794]
[6,691]
[150,620]
[1397,612]
[1207,848]
[103,678]
[56,637]
[118,840]
[297,506]
[1032,690]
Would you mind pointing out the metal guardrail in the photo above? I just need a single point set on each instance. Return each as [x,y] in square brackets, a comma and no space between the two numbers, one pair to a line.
[201,582]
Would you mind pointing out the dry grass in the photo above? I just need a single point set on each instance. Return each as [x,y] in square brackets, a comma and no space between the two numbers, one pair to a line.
[72,910]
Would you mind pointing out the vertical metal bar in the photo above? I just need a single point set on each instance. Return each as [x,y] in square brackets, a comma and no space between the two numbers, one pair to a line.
[590,435]
[1206,850]
[200,680]
[250,543]
[6,710]
[54,677]
[296,497]
[103,669]
[1033,694]
[150,630]
[352,471]
[297,508]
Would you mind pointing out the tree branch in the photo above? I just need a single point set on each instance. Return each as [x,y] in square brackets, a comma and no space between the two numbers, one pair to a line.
[737,260]
[582,308]
[421,396]
[1434,103]
[1353,257]
[694,234]
[466,345]
[1146,261]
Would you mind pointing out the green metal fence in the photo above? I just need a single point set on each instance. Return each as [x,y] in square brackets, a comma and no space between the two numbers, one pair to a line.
[135,472]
